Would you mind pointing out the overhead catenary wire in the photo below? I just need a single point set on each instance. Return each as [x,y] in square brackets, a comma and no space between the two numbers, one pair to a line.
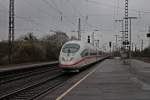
[58,11]
[119,7]
[38,9]
[68,18]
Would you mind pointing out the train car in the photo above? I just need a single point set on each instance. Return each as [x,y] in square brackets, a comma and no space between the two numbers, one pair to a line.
[76,55]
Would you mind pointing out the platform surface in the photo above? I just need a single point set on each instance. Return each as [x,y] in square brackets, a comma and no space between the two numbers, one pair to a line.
[21,66]
[111,80]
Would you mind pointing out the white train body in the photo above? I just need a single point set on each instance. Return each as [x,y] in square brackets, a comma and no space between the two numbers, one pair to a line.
[76,54]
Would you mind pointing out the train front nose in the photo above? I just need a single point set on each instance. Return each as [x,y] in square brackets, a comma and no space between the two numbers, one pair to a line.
[66,61]
[68,55]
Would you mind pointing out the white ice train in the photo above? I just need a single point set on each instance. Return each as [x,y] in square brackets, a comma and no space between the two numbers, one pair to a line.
[76,55]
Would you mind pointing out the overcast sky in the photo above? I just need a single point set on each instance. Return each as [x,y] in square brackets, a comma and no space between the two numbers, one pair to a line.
[43,16]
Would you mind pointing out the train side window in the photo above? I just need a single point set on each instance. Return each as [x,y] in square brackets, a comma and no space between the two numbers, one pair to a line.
[93,52]
[84,53]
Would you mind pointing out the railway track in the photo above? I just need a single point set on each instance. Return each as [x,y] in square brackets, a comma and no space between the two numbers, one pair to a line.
[33,83]
[35,90]
[12,76]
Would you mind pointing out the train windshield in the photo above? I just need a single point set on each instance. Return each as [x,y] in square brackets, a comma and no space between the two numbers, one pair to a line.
[71,48]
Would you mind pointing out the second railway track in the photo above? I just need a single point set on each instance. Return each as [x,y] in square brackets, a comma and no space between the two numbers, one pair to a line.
[12,76]
[35,90]
[31,84]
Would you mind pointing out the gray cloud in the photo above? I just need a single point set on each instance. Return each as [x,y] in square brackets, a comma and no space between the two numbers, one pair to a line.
[41,16]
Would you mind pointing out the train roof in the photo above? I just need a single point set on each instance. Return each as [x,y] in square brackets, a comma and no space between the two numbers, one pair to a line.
[75,41]
[82,43]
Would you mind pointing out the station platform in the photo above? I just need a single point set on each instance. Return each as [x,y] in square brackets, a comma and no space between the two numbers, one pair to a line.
[112,80]
[25,66]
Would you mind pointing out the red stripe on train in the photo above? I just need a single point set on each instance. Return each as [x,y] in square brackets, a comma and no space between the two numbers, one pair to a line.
[67,65]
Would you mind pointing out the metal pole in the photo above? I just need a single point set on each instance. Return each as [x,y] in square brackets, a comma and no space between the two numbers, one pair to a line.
[116,43]
[122,29]
[142,43]
[126,24]
[130,18]
[149,42]
[122,33]
[113,50]
[11,30]
[79,29]
[132,47]
[130,33]
[130,41]
[98,43]
[93,39]
[148,36]
[116,37]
